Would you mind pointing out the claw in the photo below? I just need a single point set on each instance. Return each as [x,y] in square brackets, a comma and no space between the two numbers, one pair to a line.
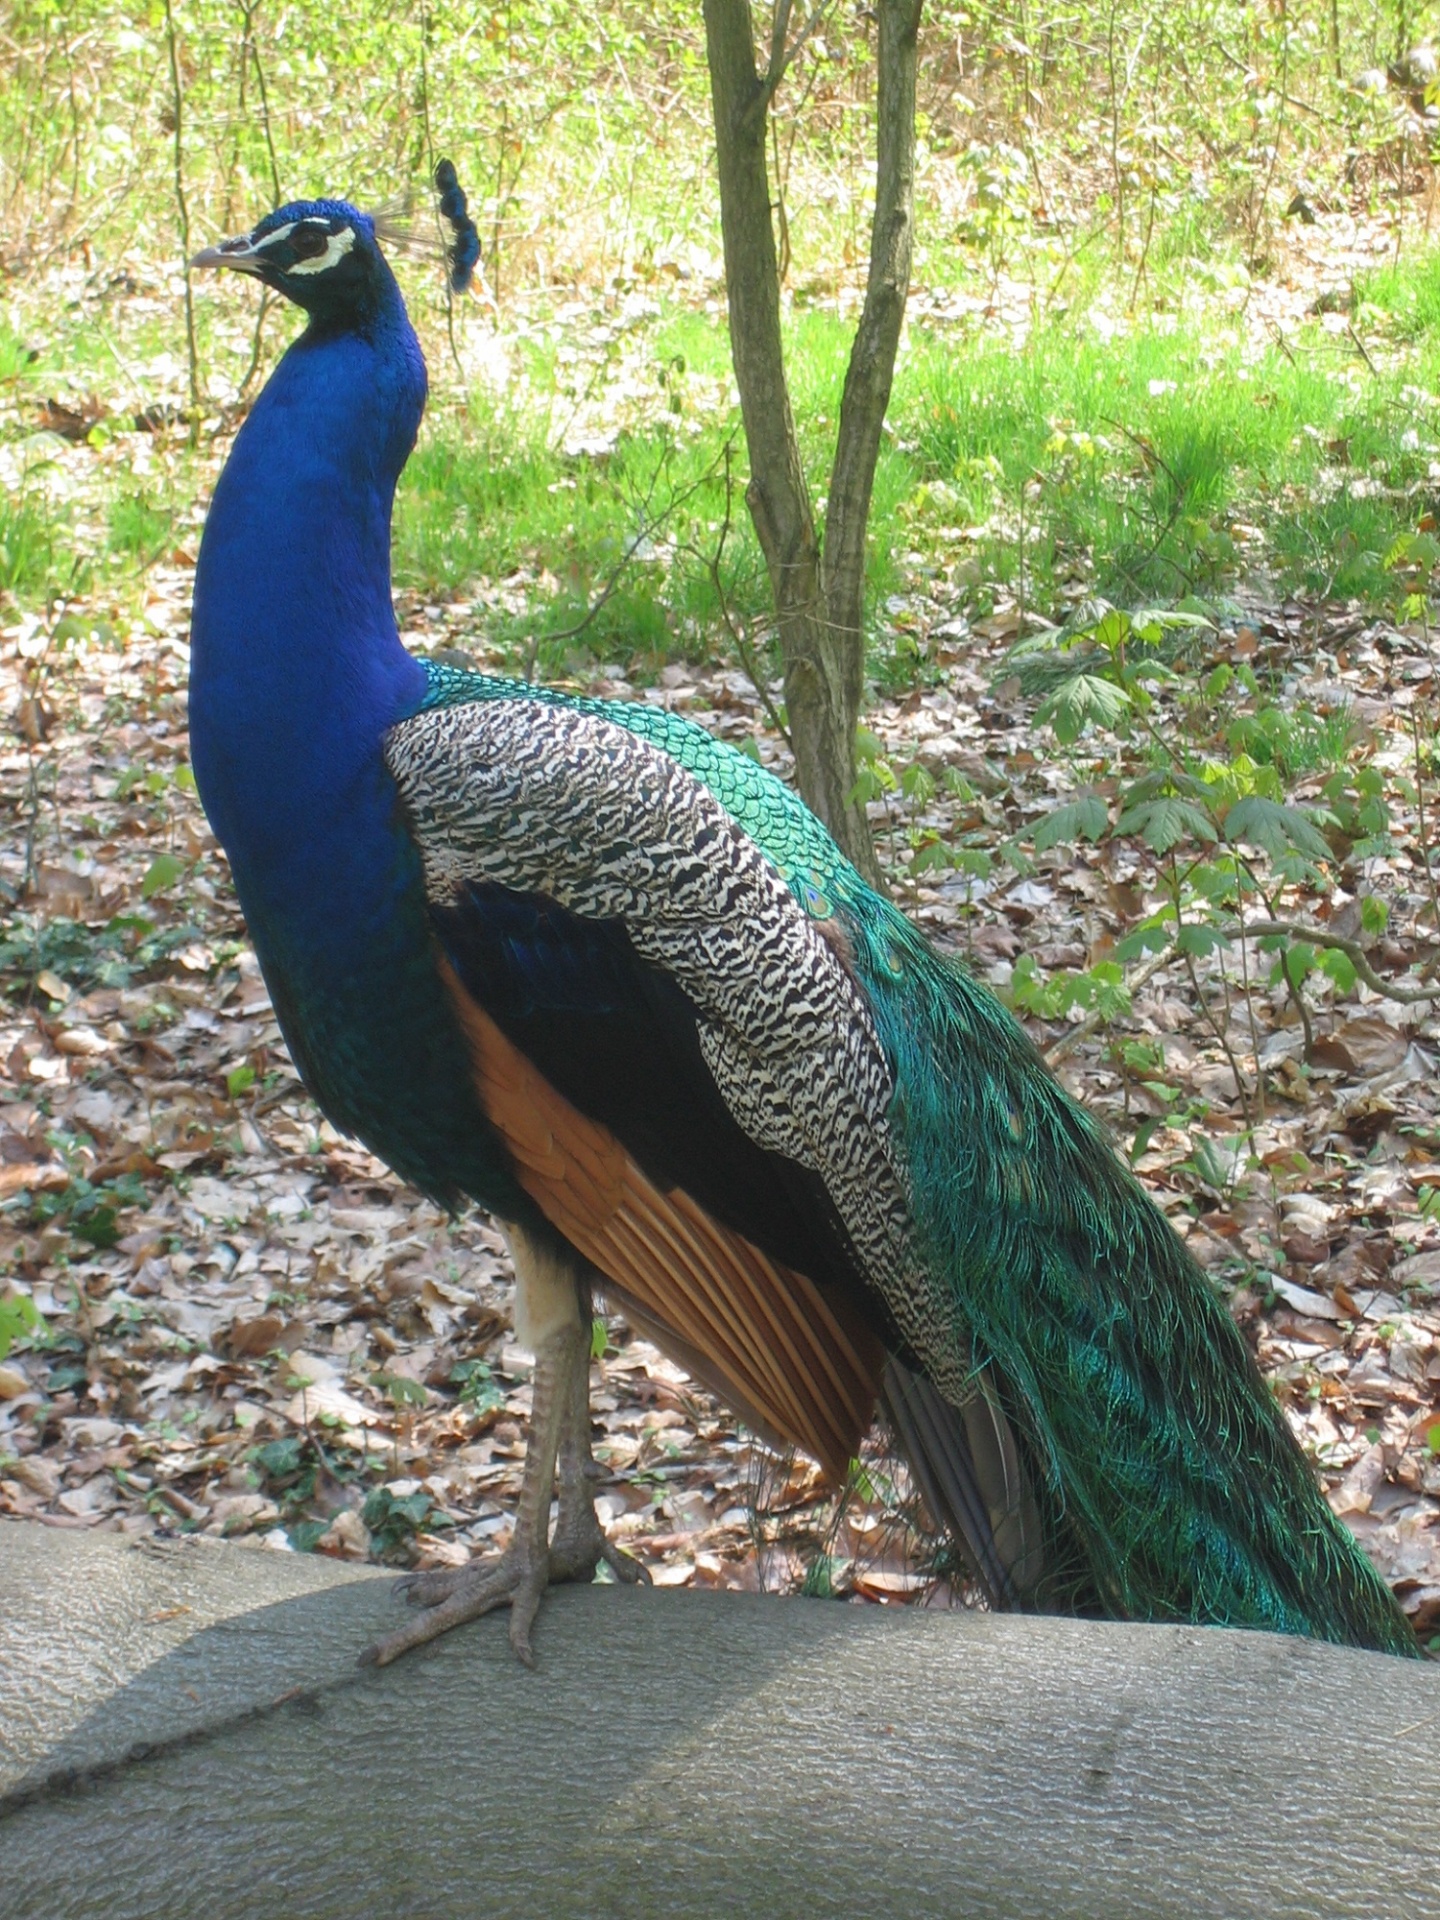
[517,1579]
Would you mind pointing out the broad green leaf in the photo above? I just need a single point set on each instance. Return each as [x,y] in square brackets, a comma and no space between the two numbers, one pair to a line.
[1170,617]
[1218,681]
[1153,936]
[1199,939]
[917,783]
[1339,966]
[1294,961]
[1164,823]
[933,857]
[1258,822]
[1082,700]
[1113,630]
[875,780]
[164,870]
[18,1316]
[1083,819]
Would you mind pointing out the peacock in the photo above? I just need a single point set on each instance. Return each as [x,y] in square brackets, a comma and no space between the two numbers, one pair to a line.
[580,963]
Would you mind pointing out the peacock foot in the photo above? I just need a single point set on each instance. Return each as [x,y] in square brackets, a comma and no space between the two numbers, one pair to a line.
[516,1579]
[579,1547]
[557,1460]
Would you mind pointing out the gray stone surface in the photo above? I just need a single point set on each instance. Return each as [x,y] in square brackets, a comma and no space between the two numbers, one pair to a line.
[183,1733]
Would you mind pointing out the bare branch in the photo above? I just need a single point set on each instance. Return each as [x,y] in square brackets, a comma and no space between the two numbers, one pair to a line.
[782,58]
[1352,949]
[779,28]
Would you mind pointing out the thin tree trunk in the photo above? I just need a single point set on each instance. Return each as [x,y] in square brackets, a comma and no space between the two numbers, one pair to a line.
[819,603]
[872,357]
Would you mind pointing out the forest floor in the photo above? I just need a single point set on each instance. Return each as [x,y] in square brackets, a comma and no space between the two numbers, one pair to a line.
[251,1329]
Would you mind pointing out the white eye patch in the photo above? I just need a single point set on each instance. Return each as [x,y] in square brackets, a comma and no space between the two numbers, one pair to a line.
[337,246]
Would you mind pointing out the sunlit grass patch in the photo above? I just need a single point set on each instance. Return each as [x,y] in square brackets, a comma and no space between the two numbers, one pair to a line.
[1146,462]
[34,553]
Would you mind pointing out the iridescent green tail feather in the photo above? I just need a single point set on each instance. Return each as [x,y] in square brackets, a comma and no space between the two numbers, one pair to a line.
[1176,1490]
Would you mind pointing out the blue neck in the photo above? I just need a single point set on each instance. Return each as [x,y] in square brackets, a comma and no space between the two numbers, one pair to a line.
[297,668]
[296,675]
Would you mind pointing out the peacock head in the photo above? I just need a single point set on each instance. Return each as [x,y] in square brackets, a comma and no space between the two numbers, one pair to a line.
[322,254]
[325,255]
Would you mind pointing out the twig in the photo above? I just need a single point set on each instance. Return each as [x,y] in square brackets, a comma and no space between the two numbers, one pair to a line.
[257,342]
[1261,203]
[177,103]
[742,645]
[265,126]
[782,58]
[1297,998]
[1352,949]
[1420,808]
[1277,333]
[647,527]
[1225,1047]
[1359,345]
[1254,1030]
[430,175]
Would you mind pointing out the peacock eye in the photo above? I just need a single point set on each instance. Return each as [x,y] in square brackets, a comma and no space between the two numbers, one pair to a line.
[308,243]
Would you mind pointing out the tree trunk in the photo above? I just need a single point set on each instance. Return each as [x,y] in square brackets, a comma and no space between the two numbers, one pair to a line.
[819,601]
[184,1732]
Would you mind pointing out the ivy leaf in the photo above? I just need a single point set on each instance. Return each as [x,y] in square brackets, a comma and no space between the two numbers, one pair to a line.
[1277,829]
[1083,819]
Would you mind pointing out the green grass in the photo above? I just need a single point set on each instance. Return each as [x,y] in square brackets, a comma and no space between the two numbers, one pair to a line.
[1147,462]
[1140,460]
[140,527]
[34,548]
[1407,292]
[1151,463]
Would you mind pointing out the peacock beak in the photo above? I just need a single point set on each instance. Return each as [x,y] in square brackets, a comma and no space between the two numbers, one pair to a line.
[240,253]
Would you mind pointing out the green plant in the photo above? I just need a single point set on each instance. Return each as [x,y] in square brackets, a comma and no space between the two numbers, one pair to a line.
[19,1320]
[88,1210]
[393,1520]
[479,1393]
[1227,834]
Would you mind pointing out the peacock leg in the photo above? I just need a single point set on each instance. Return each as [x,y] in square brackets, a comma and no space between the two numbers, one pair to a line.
[579,1543]
[548,1321]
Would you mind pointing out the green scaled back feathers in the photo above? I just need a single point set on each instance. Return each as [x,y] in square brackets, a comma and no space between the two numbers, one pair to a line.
[1172,1486]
